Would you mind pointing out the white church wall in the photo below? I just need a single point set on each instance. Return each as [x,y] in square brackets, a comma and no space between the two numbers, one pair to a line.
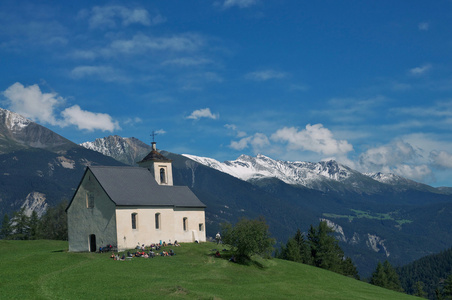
[170,229]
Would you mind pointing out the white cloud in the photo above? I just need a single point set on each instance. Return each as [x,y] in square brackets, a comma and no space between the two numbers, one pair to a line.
[414,172]
[202,113]
[441,159]
[387,156]
[109,16]
[103,73]
[314,138]
[187,61]
[38,106]
[238,133]
[32,103]
[141,43]
[265,75]
[420,70]
[258,142]
[239,3]
[90,121]
[423,26]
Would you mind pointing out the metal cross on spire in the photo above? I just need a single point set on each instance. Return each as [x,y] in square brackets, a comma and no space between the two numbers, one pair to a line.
[153,134]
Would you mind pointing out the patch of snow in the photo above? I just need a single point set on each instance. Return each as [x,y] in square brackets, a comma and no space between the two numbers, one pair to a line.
[66,163]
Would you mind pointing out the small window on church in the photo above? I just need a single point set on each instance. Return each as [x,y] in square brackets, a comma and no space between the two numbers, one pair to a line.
[201,227]
[185,221]
[89,200]
[157,221]
[162,175]
[134,221]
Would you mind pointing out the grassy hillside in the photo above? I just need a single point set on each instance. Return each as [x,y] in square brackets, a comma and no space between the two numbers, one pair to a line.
[44,270]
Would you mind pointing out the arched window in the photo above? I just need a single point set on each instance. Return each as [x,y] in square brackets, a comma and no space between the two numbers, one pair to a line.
[157,221]
[185,221]
[162,175]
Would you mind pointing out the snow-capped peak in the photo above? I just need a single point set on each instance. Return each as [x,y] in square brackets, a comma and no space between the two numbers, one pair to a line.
[300,173]
[13,121]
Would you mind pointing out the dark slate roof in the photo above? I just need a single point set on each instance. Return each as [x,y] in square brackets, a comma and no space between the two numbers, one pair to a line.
[155,156]
[136,186]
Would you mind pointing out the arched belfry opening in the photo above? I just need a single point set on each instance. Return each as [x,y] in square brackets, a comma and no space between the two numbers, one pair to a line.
[162,176]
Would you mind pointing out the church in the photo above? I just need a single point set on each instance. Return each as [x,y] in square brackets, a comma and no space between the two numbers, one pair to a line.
[130,206]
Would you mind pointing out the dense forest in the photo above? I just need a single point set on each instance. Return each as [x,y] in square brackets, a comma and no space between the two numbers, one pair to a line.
[432,273]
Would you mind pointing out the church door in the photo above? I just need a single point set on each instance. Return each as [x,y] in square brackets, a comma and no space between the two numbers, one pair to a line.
[92,243]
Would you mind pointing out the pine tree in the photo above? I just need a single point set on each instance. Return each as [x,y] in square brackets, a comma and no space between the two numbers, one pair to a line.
[21,225]
[379,276]
[6,230]
[386,276]
[447,291]
[392,277]
[419,289]
[33,225]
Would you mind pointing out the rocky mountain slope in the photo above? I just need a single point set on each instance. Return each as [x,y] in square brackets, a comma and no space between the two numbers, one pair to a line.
[38,167]
[126,150]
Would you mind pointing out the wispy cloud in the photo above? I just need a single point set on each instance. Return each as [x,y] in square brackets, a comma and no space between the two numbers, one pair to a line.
[103,73]
[423,26]
[265,75]
[38,106]
[111,16]
[239,3]
[141,43]
[187,61]
[420,70]
[203,113]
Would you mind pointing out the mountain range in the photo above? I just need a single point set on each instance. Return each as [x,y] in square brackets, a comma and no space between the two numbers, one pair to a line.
[375,216]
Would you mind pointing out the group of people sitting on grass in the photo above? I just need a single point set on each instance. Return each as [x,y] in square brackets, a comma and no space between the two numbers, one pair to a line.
[151,252]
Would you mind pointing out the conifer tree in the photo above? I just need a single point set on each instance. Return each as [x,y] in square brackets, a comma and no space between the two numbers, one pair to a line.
[386,276]
[6,227]
[419,289]
[447,291]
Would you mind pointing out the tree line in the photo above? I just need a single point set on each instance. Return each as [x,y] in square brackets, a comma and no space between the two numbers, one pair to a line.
[52,225]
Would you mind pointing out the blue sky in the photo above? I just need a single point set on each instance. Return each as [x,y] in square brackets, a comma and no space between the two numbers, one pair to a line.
[368,83]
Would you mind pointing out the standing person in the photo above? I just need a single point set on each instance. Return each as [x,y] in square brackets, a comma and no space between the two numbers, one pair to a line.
[218,238]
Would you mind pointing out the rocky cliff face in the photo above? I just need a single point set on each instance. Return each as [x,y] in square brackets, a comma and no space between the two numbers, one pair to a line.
[126,150]
[18,132]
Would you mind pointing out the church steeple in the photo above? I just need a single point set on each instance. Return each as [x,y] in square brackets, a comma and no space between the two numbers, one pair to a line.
[159,166]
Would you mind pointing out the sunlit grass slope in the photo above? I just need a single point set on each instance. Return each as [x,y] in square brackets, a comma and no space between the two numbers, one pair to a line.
[44,270]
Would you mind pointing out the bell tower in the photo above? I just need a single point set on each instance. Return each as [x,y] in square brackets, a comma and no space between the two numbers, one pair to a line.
[159,166]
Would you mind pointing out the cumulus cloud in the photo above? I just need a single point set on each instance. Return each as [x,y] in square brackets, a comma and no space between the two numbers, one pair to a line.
[239,3]
[87,120]
[387,155]
[314,138]
[441,159]
[398,157]
[32,103]
[202,113]
[420,70]
[258,142]
[265,75]
[110,16]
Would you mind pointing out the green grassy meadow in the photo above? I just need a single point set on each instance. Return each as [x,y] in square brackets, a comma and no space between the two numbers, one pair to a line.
[45,270]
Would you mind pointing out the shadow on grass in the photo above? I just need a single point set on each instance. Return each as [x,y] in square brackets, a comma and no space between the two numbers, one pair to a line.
[231,257]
